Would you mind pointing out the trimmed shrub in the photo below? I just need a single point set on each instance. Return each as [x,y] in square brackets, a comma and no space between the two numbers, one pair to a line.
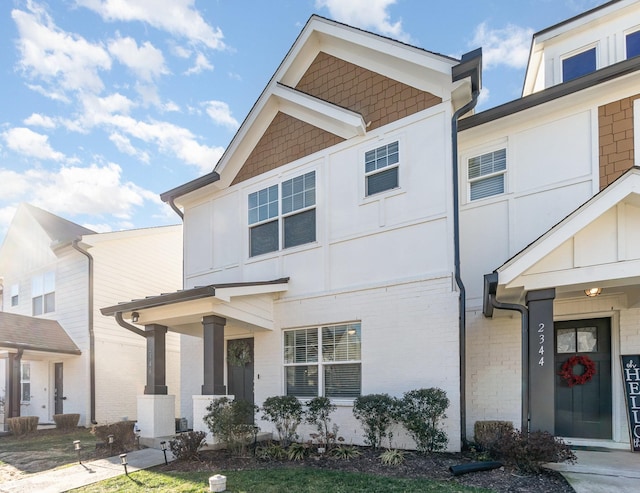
[377,413]
[186,446]
[23,425]
[124,439]
[317,413]
[285,412]
[66,422]
[272,451]
[529,452]
[488,433]
[229,421]
[421,412]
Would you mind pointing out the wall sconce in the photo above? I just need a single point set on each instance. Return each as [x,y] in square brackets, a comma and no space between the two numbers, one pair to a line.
[123,461]
[135,316]
[593,292]
[163,446]
[77,447]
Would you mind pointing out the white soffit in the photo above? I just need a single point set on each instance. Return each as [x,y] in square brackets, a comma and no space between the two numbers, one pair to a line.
[625,189]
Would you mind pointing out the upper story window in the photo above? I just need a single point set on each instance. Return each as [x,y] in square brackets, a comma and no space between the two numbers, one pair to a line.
[486,174]
[15,294]
[43,296]
[381,168]
[323,361]
[578,65]
[632,41]
[283,214]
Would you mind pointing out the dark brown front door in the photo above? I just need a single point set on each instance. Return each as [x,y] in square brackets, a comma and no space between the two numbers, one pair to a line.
[240,369]
[584,410]
[58,390]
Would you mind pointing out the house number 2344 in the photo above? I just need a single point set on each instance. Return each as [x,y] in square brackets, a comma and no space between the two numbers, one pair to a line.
[541,342]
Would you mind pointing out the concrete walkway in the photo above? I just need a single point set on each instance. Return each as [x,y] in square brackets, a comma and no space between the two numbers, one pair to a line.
[77,475]
[602,471]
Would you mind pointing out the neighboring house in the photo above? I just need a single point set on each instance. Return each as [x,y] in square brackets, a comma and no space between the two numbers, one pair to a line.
[61,355]
[358,237]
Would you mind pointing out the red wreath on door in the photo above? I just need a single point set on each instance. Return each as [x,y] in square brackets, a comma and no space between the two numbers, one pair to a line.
[566,371]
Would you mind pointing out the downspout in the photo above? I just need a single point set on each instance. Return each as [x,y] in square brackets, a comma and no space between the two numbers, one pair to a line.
[172,203]
[491,286]
[470,66]
[92,343]
[128,326]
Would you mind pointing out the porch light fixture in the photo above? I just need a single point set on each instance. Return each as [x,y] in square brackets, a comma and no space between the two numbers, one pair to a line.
[124,463]
[163,446]
[135,316]
[77,447]
[593,292]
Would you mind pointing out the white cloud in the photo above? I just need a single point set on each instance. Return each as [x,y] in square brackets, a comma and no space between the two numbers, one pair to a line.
[38,120]
[508,46]
[59,59]
[99,228]
[12,184]
[49,93]
[201,63]
[31,144]
[94,190]
[366,14]
[145,61]
[220,113]
[178,17]
[124,145]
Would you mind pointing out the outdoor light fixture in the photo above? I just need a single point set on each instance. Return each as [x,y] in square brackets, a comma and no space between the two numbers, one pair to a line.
[110,441]
[123,461]
[77,448]
[163,446]
[593,292]
[135,316]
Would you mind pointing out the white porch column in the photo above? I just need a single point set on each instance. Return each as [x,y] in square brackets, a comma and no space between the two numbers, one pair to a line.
[156,415]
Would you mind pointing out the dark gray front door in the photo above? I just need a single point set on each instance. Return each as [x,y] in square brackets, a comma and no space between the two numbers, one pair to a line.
[58,390]
[240,369]
[584,410]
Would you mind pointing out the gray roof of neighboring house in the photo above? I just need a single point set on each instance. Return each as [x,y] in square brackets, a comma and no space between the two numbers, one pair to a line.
[57,228]
[34,334]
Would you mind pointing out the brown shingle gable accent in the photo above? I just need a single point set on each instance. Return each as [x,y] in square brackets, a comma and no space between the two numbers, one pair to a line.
[286,140]
[379,99]
[615,122]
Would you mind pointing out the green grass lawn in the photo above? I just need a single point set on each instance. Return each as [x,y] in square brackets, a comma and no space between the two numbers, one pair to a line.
[293,480]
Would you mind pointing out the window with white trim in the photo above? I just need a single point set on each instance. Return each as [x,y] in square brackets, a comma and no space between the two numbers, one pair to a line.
[25,382]
[632,44]
[381,168]
[323,361]
[282,216]
[15,294]
[43,296]
[578,65]
[486,174]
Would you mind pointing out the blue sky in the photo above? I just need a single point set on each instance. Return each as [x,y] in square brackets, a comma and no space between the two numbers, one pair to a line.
[105,104]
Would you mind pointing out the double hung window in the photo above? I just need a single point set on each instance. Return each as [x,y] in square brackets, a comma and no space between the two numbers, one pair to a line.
[381,168]
[632,41]
[486,174]
[43,296]
[578,65]
[323,361]
[283,216]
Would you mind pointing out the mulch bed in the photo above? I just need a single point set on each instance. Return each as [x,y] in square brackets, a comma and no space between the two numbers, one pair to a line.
[433,466]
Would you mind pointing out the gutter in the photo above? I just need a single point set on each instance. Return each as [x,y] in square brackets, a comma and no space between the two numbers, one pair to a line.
[470,66]
[92,342]
[490,302]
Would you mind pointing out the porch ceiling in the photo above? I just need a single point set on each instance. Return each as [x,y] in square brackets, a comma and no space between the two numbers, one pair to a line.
[598,245]
[245,305]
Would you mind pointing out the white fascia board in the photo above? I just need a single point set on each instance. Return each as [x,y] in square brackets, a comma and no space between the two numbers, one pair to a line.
[322,114]
[569,227]
[226,294]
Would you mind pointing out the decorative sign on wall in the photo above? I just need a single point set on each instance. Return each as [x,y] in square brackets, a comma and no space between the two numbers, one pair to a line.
[631,378]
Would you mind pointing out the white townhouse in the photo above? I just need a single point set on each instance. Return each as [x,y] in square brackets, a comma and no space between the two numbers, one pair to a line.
[60,354]
[365,232]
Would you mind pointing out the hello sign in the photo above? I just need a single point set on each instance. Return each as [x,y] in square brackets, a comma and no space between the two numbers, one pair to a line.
[631,378]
